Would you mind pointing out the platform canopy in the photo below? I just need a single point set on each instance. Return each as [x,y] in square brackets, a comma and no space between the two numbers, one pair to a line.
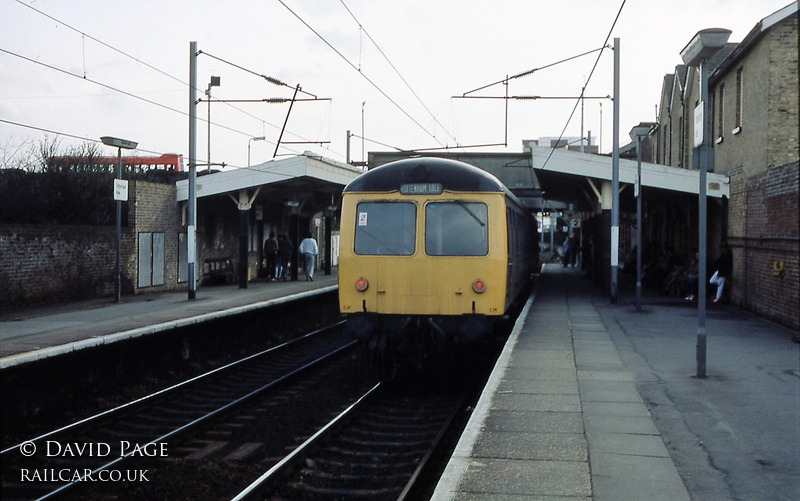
[306,172]
[653,175]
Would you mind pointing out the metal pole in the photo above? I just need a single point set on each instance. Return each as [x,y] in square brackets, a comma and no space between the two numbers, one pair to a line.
[542,235]
[208,158]
[117,284]
[362,131]
[582,100]
[702,226]
[348,147]
[638,223]
[286,121]
[192,209]
[615,181]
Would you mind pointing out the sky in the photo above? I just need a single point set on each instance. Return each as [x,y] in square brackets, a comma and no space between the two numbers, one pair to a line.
[393,72]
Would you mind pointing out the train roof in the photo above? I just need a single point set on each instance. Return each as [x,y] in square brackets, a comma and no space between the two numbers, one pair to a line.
[451,175]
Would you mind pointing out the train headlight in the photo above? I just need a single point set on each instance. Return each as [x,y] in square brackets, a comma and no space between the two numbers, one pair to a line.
[479,286]
[362,284]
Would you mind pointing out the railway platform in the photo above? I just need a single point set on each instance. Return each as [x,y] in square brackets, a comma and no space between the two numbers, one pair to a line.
[591,400]
[35,333]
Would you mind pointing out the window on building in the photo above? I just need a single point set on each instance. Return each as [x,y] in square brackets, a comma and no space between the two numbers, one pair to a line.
[668,144]
[681,142]
[720,110]
[739,99]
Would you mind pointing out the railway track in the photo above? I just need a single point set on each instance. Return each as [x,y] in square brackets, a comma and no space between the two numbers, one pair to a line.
[376,449]
[115,448]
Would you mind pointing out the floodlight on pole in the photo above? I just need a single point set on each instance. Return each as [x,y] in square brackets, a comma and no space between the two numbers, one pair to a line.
[615,182]
[259,138]
[120,144]
[697,52]
[637,133]
[191,206]
[215,81]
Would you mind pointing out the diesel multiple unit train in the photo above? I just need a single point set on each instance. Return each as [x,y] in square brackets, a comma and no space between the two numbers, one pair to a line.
[432,252]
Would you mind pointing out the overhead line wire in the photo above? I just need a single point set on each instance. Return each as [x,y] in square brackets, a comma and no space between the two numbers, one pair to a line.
[74,136]
[104,44]
[41,129]
[360,72]
[124,92]
[269,79]
[528,72]
[60,70]
[154,68]
[396,70]
[583,90]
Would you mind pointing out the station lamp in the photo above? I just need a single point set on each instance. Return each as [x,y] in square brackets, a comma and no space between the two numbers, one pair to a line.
[637,133]
[259,138]
[215,81]
[120,194]
[697,52]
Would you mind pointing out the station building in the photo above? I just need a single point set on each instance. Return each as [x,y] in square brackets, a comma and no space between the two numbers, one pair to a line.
[753,189]
[753,92]
[236,211]
[753,196]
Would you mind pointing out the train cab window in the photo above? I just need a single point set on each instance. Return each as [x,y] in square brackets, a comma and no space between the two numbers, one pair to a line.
[385,228]
[456,229]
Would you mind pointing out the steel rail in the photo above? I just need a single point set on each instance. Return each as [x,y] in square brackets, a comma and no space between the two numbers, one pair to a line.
[170,389]
[207,416]
[255,487]
[423,462]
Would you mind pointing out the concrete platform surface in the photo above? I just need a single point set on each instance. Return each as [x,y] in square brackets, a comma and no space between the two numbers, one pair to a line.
[592,400]
[40,332]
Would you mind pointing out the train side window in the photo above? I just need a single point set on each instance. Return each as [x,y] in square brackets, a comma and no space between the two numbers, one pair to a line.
[385,228]
[456,229]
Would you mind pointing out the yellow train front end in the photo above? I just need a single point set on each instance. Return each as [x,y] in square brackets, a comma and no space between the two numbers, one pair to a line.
[435,261]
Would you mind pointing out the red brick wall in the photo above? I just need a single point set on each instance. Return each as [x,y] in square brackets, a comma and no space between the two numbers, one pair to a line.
[768,215]
[762,162]
[155,210]
[56,263]
[51,263]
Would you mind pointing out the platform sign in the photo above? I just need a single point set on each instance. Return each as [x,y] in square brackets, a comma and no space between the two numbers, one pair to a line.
[615,246]
[191,249]
[121,190]
[698,125]
[575,223]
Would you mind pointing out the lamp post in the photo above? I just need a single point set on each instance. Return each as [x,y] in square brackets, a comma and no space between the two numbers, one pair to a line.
[213,83]
[615,181]
[120,194]
[259,138]
[697,52]
[363,103]
[637,133]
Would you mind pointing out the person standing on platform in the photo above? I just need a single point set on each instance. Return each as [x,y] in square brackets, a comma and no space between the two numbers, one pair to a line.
[724,268]
[309,250]
[573,249]
[285,249]
[271,251]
